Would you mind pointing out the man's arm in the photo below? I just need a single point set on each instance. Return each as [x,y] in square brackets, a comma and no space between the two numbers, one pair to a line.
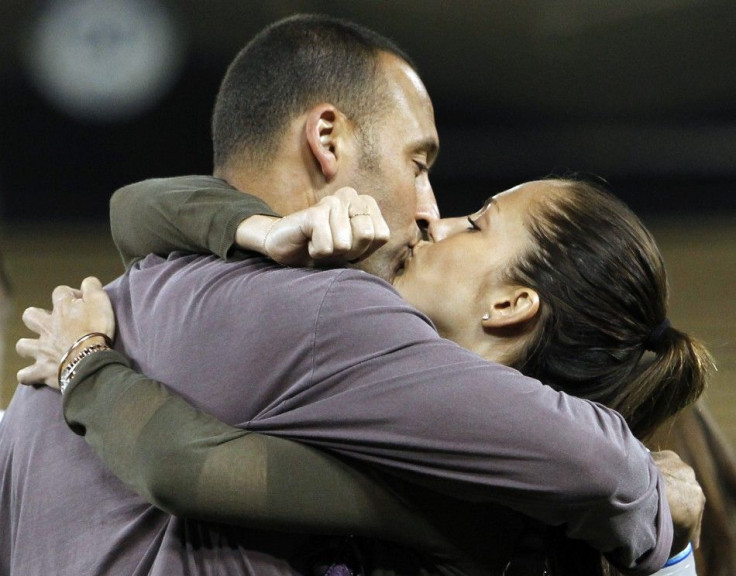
[444,418]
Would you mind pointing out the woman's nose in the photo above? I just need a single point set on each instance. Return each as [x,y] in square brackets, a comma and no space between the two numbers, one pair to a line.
[441,229]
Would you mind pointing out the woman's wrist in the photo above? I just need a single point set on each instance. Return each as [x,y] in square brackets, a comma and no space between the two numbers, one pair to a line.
[252,232]
[83,347]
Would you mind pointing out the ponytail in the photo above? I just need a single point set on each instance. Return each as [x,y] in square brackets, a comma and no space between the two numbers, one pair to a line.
[602,331]
[671,380]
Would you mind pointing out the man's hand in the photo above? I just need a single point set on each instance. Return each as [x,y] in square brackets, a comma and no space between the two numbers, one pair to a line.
[341,228]
[685,497]
[75,313]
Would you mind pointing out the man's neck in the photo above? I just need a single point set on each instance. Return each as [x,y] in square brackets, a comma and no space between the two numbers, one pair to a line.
[284,187]
[278,191]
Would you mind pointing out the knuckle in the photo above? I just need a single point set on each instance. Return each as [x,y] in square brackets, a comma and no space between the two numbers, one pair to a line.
[342,245]
[348,193]
[360,244]
[362,226]
[364,238]
[332,202]
[318,252]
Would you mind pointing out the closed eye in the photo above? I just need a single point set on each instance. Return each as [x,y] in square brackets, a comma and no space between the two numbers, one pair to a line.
[422,168]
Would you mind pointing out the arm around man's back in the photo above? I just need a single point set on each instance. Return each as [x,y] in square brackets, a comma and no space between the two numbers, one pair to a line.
[425,407]
[192,465]
[187,213]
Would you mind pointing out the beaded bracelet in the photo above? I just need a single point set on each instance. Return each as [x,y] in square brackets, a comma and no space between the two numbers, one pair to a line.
[67,373]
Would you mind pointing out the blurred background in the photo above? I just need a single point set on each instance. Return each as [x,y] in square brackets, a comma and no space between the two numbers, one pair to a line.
[95,94]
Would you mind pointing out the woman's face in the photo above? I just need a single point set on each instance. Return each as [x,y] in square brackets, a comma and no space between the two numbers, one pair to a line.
[452,278]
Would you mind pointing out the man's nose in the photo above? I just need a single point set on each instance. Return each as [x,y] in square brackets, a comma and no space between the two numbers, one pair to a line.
[427,210]
[441,229]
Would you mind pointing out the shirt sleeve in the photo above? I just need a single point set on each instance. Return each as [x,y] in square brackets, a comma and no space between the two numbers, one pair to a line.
[446,419]
[188,213]
[191,464]
[350,367]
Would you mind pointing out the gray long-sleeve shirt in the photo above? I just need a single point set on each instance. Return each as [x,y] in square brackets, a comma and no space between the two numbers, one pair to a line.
[336,359]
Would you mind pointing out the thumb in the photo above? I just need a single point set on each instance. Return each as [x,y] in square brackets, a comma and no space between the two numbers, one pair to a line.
[94,294]
[90,284]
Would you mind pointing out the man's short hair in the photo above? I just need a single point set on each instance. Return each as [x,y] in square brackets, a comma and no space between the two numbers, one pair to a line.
[287,68]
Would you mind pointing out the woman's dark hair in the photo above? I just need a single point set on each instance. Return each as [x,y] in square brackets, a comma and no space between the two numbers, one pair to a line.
[290,66]
[603,292]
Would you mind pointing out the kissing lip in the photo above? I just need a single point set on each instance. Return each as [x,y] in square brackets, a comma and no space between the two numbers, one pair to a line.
[402,261]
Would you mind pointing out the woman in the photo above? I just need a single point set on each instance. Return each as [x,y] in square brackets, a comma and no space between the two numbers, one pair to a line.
[569,288]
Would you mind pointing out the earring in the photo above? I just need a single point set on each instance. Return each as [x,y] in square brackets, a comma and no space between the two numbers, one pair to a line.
[486,316]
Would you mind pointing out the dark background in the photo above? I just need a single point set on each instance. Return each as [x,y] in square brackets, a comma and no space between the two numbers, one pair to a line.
[642,93]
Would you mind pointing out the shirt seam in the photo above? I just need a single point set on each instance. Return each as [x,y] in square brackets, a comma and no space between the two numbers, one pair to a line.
[317,323]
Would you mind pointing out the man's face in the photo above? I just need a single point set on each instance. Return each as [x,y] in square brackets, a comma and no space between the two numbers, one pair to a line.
[403,145]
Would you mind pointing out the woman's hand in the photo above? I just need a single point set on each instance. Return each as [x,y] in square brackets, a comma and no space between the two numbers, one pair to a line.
[75,313]
[341,228]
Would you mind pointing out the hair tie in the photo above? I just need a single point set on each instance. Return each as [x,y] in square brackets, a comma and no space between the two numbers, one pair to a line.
[654,340]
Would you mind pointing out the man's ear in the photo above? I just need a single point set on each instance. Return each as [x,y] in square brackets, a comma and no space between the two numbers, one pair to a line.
[511,306]
[326,127]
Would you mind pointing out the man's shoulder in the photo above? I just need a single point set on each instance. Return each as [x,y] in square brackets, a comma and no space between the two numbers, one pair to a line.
[263,270]
[362,288]
[256,281]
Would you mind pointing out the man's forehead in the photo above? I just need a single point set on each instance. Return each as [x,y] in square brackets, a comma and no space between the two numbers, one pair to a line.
[414,79]
[402,74]
[412,107]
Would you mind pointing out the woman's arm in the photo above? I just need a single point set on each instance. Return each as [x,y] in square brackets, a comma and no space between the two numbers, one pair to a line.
[205,214]
[190,464]
[189,213]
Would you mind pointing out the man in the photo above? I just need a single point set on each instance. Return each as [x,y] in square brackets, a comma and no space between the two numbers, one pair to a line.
[333,357]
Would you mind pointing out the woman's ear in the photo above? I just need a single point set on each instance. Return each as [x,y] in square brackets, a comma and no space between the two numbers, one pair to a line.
[325,127]
[510,307]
